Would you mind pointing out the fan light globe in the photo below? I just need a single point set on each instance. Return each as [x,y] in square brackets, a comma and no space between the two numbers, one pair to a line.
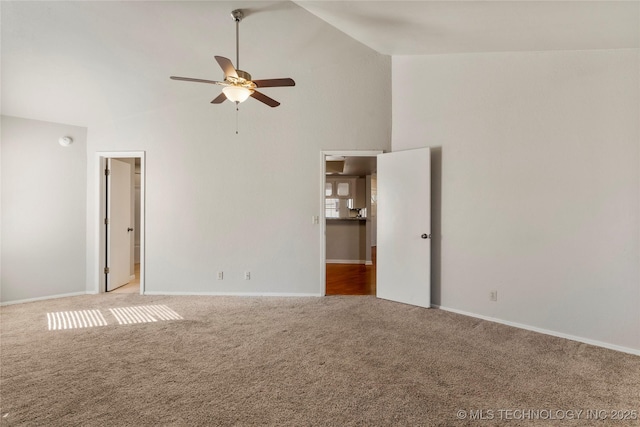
[236,93]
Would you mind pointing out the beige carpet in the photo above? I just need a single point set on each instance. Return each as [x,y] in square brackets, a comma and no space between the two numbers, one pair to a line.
[335,361]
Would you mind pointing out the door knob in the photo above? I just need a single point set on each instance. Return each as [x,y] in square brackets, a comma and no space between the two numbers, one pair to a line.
[129,229]
[426,236]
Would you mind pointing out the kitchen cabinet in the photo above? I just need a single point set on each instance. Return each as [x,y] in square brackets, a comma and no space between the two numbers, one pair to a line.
[347,188]
[340,188]
[360,196]
[346,241]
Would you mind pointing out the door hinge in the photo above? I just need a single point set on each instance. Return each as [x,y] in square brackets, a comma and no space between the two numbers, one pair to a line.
[106,270]
[106,221]
[107,172]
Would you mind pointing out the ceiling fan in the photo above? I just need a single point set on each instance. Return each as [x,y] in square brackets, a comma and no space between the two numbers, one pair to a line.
[238,85]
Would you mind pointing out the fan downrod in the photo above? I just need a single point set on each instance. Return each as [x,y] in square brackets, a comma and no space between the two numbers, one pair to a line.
[237,16]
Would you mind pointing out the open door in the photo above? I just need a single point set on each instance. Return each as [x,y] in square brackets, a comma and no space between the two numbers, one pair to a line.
[404,227]
[119,227]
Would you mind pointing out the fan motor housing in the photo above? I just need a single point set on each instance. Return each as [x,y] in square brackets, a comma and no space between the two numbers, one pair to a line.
[243,75]
[243,79]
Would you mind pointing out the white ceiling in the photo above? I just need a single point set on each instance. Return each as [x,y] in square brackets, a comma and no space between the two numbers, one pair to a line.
[441,27]
[82,62]
[79,62]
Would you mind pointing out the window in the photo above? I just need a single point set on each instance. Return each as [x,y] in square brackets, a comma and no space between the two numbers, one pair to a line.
[332,208]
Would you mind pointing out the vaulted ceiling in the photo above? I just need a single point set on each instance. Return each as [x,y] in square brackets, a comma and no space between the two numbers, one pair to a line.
[77,62]
[443,27]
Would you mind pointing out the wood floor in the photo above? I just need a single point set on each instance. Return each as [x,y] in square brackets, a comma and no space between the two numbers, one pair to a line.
[352,279]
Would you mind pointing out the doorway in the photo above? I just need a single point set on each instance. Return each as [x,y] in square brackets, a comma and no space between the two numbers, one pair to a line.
[349,222]
[121,218]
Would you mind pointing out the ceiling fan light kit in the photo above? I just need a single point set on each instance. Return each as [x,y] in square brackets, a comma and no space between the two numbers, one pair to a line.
[236,93]
[238,86]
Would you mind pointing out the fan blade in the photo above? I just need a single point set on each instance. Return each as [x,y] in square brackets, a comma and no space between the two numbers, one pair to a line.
[219,99]
[226,66]
[274,82]
[189,79]
[264,98]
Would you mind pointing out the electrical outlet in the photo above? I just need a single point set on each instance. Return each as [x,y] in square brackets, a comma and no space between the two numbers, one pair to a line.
[493,296]
[247,275]
[220,275]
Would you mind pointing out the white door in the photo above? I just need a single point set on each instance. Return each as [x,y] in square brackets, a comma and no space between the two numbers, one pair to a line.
[404,227]
[119,227]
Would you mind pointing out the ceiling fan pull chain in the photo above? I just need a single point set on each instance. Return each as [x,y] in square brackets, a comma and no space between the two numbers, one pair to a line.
[237,114]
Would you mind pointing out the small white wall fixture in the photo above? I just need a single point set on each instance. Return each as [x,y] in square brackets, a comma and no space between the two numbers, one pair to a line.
[65,141]
[100,235]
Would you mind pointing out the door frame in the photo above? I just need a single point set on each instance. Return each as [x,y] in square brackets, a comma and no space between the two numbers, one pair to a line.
[100,211]
[322,216]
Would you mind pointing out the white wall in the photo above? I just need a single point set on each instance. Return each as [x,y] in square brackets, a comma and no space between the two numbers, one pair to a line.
[217,201]
[43,210]
[537,180]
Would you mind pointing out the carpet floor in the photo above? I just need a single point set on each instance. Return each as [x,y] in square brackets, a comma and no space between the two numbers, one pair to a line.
[333,361]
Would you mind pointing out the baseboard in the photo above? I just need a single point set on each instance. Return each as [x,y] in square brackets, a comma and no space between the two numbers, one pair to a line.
[348,261]
[235,294]
[21,301]
[132,277]
[543,331]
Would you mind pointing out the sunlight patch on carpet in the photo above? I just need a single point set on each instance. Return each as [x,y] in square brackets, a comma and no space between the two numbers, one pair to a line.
[75,319]
[124,315]
[143,314]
